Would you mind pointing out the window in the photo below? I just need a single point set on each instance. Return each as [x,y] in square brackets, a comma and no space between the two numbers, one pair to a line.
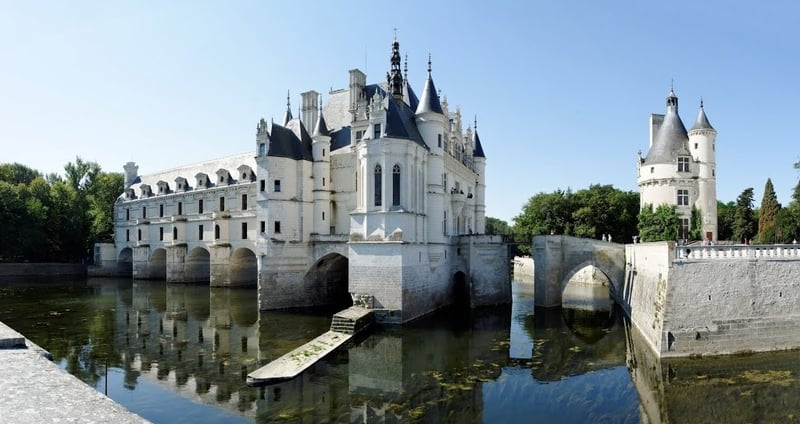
[277,186]
[244,202]
[378,180]
[684,228]
[216,232]
[263,226]
[444,224]
[262,149]
[323,152]
[200,232]
[376,131]
[160,210]
[683,197]
[200,206]
[277,227]
[683,164]
[180,208]
[695,146]
[713,172]
[396,185]
[139,235]
[359,135]
[174,233]
[444,181]
[652,169]
[128,214]
[323,215]
[244,175]
[161,233]
[127,235]
[244,231]
[221,204]
[144,212]
[323,181]
[263,185]
[440,140]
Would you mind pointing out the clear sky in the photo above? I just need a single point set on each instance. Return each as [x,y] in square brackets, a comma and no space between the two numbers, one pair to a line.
[562,90]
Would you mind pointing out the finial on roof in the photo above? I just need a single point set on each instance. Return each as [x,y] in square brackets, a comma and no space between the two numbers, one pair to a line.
[701,102]
[475,127]
[429,63]
[395,33]
[405,66]
[288,103]
[672,84]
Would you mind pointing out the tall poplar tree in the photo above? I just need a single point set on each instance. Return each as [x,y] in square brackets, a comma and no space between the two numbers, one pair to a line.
[768,214]
[744,224]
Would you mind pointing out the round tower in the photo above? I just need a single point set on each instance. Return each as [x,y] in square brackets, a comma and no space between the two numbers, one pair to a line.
[479,159]
[321,170]
[702,144]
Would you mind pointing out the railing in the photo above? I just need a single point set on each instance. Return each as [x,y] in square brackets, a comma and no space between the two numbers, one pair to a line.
[766,251]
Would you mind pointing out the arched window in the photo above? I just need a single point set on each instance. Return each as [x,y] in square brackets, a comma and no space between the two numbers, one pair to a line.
[216,232]
[378,179]
[396,185]
[174,233]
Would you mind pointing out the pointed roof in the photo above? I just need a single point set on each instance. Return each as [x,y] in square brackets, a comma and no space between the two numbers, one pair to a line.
[400,122]
[321,128]
[285,142]
[409,96]
[430,98]
[671,140]
[702,121]
[288,115]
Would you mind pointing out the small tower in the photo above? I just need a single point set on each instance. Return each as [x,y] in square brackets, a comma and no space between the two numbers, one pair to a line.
[702,140]
[394,78]
[479,158]
[321,170]
[131,173]
[430,122]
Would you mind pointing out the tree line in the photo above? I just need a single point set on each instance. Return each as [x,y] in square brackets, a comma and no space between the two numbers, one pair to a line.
[55,218]
[604,210]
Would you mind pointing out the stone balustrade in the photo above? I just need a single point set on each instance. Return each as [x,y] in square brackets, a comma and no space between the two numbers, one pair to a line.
[738,251]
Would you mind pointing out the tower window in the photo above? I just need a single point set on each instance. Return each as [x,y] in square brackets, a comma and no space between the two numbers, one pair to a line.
[180,208]
[161,233]
[128,214]
[139,235]
[200,232]
[200,206]
[263,185]
[221,204]
[161,210]
[262,149]
[127,235]
[263,226]
[683,164]
[683,197]
[277,229]
[144,212]
[244,202]
[244,231]
[174,233]
[695,146]
[323,215]
[396,185]
[376,131]
[378,183]
[277,186]
[652,169]
[323,152]
[216,232]
[439,140]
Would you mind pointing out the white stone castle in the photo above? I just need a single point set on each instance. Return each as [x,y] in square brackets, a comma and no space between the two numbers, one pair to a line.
[680,168]
[378,196]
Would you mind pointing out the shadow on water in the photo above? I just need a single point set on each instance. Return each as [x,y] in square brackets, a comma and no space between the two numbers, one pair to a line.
[182,353]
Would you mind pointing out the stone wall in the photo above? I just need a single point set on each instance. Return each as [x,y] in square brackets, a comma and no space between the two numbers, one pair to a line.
[713,306]
[41,269]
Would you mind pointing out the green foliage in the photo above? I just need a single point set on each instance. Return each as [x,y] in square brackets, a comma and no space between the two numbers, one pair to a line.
[660,224]
[725,216]
[768,214]
[55,219]
[495,226]
[744,221]
[592,212]
[696,229]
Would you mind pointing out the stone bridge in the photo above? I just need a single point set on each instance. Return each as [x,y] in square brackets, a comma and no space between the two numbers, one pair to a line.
[558,258]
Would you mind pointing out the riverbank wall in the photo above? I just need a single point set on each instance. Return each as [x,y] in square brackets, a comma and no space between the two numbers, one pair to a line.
[714,300]
[35,390]
[33,269]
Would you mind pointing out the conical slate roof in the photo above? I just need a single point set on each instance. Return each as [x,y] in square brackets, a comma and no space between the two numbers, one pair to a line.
[671,140]
[430,98]
[478,152]
[321,128]
[702,121]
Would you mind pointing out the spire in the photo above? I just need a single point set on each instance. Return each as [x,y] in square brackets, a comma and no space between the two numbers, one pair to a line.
[702,121]
[288,116]
[321,128]
[672,101]
[430,99]
[671,139]
[478,150]
[394,78]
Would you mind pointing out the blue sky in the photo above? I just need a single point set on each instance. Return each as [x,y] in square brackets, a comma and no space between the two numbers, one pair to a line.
[562,89]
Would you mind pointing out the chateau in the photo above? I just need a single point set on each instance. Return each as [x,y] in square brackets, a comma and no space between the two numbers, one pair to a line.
[375,196]
[680,168]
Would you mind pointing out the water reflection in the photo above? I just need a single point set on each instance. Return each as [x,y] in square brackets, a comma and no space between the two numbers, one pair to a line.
[169,342]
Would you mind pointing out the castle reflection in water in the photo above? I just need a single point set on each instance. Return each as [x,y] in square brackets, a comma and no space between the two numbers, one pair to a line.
[489,365]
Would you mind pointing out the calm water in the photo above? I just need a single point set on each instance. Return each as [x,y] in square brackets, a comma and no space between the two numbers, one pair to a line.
[178,353]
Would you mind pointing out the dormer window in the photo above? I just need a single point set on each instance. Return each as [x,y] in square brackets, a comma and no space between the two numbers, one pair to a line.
[223,177]
[130,193]
[683,164]
[202,180]
[247,174]
[181,184]
[163,187]
[145,190]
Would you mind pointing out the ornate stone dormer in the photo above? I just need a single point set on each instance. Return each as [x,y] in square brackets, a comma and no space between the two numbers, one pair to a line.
[246,173]
[163,187]
[145,190]
[223,177]
[202,180]
[181,185]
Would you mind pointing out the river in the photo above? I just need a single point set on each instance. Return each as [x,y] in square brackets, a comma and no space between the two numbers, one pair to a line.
[180,353]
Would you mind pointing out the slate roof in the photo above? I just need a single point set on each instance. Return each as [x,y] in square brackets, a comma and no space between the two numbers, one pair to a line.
[284,141]
[400,121]
[340,138]
[478,152]
[321,128]
[702,121]
[670,141]
[430,98]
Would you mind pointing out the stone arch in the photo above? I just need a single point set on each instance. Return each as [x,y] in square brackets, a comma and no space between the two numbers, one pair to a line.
[125,262]
[158,265]
[587,286]
[243,267]
[198,266]
[328,277]
[460,290]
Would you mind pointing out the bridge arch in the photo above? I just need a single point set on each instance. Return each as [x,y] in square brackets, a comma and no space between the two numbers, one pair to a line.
[158,264]
[587,286]
[198,266]
[243,267]
[460,290]
[125,262]
[329,278]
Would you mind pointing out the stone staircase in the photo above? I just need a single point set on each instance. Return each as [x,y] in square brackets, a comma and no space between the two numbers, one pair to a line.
[343,325]
[352,320]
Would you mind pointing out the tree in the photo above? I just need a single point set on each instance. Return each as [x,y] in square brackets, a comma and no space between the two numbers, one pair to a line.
[744,223]
[544,214]
[603,209]
[660,224]
[102,193]
[725,217]
[494,226]
[696,230]
[768,214]
[17,173]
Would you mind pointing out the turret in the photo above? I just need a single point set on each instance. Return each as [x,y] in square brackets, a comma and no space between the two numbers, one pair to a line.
[430,123]
[702,140]
[479,159]
[321,170]
[131,173]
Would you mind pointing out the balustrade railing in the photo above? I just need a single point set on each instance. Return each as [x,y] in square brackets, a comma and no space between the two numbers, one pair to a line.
[777,251]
